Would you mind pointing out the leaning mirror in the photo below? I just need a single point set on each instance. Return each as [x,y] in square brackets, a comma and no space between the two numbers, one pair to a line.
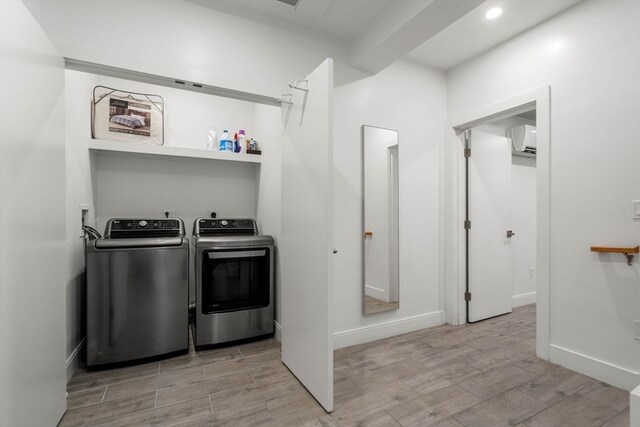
[380,257]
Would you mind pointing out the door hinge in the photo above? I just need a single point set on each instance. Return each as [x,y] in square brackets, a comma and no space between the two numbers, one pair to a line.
[467,296]
[467,152]
[467,224]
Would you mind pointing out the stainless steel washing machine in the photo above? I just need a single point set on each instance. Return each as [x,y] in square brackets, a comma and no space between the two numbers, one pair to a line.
[234,271]
[137,291]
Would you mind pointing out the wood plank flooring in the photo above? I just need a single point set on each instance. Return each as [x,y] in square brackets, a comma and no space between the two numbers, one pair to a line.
[373,305]
[485,374]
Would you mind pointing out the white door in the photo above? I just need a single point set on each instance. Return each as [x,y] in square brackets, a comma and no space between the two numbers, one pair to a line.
[32,223]
[306,242]
[489,192]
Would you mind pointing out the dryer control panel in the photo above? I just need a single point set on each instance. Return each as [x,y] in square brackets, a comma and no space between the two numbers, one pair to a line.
[219,226]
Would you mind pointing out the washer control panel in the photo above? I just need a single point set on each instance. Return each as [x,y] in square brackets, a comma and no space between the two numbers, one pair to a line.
[206,226]
[144,227]
[148,224]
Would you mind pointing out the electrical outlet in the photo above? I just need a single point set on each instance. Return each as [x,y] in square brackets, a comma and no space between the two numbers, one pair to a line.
[169,212]
[636,329]
[636,209]
[84,217]
[531,272]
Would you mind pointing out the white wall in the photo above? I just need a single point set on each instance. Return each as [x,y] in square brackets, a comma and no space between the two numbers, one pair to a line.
[523,223]
[589,56]
[634,408]
[141,187]
[411,99]
[32,223]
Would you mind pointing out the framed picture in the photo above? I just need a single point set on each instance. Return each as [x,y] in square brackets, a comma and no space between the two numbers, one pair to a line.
[119,115]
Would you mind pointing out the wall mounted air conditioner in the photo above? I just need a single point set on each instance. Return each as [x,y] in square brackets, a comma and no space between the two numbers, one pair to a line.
[523,139]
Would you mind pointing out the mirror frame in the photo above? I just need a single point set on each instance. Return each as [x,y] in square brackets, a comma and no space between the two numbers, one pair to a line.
[362,219]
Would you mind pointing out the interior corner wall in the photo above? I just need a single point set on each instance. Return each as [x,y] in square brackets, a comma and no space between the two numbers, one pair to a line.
[410,98]
[79,192]
[589,56]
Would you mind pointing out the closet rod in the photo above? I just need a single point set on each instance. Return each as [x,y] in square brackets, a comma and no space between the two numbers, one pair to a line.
[138,76]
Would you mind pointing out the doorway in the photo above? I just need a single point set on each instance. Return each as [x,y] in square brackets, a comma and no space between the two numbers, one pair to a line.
[453,242]
[500,216]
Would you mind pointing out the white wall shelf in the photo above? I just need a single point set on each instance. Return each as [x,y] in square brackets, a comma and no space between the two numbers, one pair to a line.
[101,146]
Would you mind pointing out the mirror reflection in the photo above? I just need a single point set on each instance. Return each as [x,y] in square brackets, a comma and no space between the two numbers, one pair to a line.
[380,220]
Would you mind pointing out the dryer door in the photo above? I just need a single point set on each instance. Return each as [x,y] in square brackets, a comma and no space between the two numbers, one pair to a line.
[235,279]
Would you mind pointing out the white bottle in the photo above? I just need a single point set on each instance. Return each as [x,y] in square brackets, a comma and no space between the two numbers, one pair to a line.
[212,143]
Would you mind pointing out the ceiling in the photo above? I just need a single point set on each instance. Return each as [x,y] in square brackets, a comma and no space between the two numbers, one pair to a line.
[467,34]
[342,18]
[473,33]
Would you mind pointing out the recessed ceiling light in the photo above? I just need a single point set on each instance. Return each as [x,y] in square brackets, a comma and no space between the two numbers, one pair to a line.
[493,13]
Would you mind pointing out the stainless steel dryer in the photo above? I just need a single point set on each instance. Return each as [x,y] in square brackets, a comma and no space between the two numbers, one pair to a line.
[234,281]
[137,291]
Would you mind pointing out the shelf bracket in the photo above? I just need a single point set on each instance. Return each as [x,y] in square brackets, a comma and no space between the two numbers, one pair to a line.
[283,101]
[294,85]
[628,252]
[629,259]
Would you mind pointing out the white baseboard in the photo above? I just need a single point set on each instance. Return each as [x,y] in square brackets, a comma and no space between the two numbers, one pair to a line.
[599,369]
[278,332]
[376,293]
[524,299]
[73,361]
[635,408]
[387,329]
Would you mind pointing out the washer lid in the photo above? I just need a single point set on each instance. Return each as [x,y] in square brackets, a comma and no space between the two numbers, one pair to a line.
[148,242]
[232,241]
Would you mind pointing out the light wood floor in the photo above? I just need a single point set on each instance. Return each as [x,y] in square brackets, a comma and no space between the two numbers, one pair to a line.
[373,305]
[484,374]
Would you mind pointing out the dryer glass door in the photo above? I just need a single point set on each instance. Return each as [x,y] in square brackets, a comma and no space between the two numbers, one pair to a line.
[235,279]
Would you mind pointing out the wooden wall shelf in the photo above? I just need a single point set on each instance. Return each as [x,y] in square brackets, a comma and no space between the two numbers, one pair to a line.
[629,252]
